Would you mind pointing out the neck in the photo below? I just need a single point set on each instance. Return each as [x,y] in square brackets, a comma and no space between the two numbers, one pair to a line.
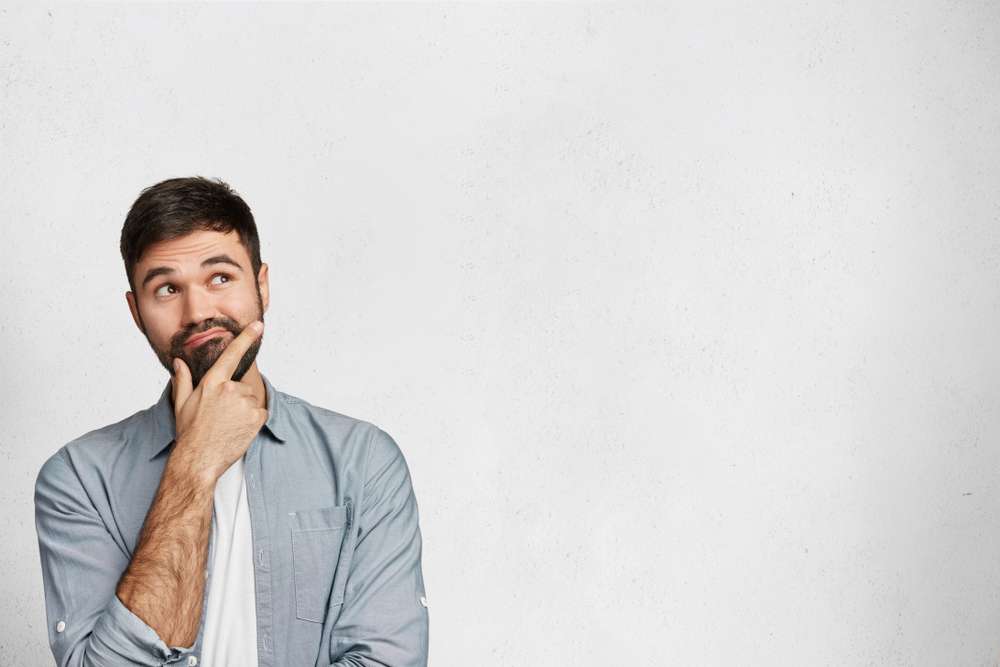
[256,382]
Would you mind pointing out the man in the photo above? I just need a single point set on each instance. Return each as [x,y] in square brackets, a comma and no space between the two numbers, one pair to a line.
[229,524]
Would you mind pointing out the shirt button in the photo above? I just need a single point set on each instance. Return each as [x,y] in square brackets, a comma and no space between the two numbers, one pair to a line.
[60,626]
[423,600]
[192,660]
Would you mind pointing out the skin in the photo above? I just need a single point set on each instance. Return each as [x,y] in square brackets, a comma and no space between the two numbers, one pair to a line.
[219,403]
[170,308]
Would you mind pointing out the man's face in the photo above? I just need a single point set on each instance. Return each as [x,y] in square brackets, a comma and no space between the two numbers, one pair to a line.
[177,297]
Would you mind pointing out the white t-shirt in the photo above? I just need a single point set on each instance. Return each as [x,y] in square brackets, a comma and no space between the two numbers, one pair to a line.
[231,615]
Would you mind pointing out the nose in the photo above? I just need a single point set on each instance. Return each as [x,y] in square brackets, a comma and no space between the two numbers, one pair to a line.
[198,307]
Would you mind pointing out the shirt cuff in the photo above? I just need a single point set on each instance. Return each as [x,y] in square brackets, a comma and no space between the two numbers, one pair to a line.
[128,635]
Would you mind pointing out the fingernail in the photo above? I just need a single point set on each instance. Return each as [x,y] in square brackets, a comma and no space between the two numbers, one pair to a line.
[258,326]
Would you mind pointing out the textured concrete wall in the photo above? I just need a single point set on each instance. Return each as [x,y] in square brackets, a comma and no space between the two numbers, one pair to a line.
[684,316]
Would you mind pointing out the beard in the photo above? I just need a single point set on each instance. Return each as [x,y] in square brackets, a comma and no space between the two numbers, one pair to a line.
[200,358]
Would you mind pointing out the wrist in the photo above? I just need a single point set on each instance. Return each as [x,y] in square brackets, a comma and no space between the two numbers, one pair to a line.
[181,465]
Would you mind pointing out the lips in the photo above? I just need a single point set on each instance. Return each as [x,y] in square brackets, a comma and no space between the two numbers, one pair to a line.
[198,339]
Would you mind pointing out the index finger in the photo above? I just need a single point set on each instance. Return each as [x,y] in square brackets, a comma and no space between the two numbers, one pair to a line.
[225,365]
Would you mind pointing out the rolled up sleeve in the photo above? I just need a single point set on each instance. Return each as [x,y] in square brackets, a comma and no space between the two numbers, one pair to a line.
[88,626]
[384,618]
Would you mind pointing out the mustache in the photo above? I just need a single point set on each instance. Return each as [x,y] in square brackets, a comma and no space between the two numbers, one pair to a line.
[178,344]
[182,337]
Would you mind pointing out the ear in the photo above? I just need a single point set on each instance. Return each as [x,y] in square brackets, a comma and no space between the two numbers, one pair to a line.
[265,293]
[134,309]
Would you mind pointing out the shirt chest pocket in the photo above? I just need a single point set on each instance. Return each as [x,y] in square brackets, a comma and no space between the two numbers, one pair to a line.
[319,567]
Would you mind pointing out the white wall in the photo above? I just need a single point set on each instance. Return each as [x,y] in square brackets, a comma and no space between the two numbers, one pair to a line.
[684,317]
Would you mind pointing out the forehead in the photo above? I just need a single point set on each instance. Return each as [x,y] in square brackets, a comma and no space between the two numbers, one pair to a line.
[192,248]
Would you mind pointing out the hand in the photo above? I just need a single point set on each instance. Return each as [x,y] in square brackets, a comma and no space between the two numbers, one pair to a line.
[217,421]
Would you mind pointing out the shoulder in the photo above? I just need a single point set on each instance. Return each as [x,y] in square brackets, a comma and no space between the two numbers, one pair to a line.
[77,459]
[303,413]
[355,436]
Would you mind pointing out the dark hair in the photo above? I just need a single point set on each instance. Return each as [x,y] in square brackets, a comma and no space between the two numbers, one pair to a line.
[178,206]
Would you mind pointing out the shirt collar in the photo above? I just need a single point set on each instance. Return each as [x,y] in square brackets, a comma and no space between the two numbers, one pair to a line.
[164,430]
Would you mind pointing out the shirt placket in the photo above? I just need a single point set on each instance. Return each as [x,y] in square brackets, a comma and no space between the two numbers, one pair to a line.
[261,540]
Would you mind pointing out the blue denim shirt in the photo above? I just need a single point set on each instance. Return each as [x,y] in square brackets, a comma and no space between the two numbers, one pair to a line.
[336,541]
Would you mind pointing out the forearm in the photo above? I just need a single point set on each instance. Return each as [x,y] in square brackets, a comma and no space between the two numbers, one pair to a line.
[164,583]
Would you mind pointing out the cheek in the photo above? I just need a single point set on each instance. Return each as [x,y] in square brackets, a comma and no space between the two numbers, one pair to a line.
[162,327]
[161,334]
[241,308]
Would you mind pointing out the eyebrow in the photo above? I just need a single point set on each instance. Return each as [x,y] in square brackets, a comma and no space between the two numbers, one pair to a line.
[166,270]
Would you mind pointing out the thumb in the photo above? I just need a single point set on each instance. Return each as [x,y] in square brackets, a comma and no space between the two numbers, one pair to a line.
[180,383]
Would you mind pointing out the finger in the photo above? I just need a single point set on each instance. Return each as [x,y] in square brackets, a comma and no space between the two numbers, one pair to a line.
[180,383]
[241,387]
[225,365]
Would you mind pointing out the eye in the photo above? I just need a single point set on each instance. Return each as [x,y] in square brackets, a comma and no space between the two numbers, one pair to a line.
[227,277]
